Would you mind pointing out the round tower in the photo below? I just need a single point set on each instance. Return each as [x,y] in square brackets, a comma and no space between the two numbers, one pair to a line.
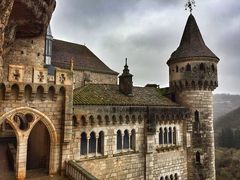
[193,77]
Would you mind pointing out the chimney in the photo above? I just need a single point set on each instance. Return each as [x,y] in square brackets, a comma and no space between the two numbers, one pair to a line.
[125,81]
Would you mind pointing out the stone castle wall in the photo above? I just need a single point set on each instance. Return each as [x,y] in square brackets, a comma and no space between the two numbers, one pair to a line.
[163,160]
[82,78]
[202,135]
[112,163]
[26,54]
[50,107]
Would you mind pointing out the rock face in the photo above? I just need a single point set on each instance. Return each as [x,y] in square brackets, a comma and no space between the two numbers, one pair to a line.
[5,11]
[23,18]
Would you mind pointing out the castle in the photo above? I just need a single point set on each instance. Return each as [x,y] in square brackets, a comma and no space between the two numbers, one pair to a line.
[62,110]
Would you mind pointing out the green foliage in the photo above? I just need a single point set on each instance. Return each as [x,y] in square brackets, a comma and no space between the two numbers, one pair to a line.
[227,164]
[229,138]
[230,120]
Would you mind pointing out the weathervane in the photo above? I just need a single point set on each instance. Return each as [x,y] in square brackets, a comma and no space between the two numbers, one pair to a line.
[190,5]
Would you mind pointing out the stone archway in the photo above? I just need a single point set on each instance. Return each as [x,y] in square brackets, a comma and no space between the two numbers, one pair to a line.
[38,151]
[23,120]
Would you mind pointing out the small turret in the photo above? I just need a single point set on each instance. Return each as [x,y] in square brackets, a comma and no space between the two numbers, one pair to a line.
[48,51]
[48,46]
[125,81]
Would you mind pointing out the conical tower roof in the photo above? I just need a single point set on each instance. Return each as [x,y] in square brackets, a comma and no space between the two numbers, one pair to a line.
[192,43]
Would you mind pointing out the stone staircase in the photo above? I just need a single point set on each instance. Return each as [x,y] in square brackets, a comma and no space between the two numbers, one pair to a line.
[75,172]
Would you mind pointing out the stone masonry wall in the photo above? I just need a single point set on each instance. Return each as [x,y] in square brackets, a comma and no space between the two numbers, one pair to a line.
[163,160]
[52,108]
[113,163]
[168,163]
[166,160]
[85,77]
[27,52]
[202,140]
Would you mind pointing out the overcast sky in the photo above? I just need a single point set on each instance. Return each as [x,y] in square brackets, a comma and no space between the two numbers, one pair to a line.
[148,31]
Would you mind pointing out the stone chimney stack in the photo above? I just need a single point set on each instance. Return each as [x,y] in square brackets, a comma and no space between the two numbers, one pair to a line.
[125,81]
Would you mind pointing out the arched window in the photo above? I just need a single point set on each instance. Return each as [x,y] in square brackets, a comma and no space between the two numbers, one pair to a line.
[83,143]
[27,92]
[107,121]
[166,178]
[62,93]
[176,176]
[202,67]
[51,93]
[133,119]
[126,140]
[75,121]
[161,178]
[174,136]
[92,143]
[196,116]
[83,121]
[170,136]
[171,177]
[160,136]
[165,136]
[188,67]
[198,157]
[176,68]
[196,121]
[101,143]
[15,92]
[127,119]
[114,119]
[119,140]
[120,119]
[40,92]
[133,139]
[91,120]
[2,91]
[213,68]
[99,119]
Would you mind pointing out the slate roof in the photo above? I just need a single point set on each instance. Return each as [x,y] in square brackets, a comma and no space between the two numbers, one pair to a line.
[84,59]
[103,94]
[192,43]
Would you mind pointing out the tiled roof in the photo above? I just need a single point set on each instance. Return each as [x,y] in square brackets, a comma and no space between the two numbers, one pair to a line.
[102,94]
[84,59]
[192,43]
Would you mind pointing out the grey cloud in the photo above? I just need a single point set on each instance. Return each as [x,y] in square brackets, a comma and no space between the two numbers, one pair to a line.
[117,29]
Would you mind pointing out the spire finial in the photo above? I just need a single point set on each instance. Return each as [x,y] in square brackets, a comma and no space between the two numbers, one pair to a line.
[189,5]
[125,61]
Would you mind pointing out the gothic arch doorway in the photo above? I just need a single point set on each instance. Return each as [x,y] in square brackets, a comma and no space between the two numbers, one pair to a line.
[23,121]
[38,151]
[8,149]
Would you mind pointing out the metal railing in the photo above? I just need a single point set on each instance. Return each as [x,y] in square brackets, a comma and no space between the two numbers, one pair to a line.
[75,172]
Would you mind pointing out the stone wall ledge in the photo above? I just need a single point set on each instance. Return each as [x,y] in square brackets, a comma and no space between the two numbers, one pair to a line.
[90,158]
[125,153]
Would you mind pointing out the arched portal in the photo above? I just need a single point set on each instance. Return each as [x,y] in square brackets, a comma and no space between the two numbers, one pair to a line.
[8,149]
[38,151]
[30,117]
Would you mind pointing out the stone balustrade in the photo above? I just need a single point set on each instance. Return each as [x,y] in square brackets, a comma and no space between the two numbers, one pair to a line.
[75,172]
